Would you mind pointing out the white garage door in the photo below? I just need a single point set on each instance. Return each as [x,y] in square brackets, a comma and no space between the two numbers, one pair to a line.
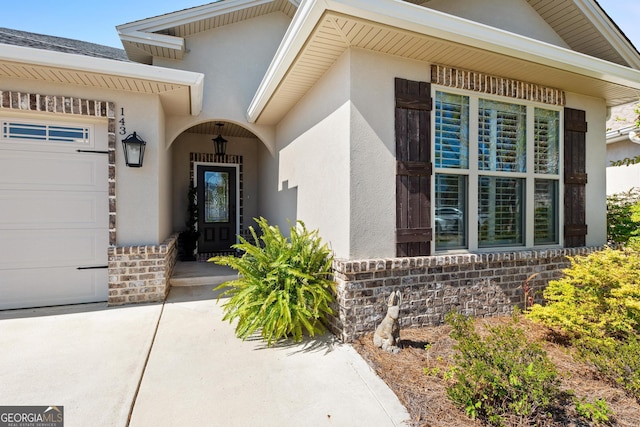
[53,215]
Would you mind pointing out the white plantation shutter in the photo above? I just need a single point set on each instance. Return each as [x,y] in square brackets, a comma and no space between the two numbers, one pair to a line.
[452,131]
[546,211]
[500,201]
[546,155]
[501,136]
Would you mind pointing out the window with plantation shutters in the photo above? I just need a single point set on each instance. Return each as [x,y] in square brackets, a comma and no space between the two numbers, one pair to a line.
[502,188]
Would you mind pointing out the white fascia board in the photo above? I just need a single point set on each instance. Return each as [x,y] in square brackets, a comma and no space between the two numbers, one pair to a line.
[448,27]
[160,40]
[421,20]
[44,58]
[613,35]
[303,23]
[187,16]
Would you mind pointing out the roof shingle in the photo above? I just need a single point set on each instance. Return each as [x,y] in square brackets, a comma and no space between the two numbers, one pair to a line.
[60,44]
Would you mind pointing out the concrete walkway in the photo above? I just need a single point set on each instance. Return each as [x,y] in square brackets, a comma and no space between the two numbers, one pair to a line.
[178,364]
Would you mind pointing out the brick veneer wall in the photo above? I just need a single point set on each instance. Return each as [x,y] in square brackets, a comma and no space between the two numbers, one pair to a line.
[141,273]
[473,284]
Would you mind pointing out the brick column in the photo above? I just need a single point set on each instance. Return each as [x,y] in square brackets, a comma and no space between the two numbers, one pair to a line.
[141,273]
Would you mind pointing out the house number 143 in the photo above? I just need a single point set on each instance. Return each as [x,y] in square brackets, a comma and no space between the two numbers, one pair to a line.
[123,128]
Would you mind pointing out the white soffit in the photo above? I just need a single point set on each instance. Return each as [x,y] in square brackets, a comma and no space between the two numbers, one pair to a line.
[585,27]
[184,88]
[323,29]
[163,36]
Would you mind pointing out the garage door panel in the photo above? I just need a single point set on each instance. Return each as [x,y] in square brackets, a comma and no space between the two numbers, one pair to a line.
[57,171]
[54,217]
[21,288]
[40,210]
[48,248]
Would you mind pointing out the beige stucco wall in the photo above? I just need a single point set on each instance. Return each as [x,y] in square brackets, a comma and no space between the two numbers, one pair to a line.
[142,210]
[309,175]
[515,16]
[596,212]
[622,178]
[373,167]
[140,219]
[234,59]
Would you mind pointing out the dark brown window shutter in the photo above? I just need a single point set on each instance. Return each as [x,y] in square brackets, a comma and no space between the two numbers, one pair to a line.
[413,170]
[575,178]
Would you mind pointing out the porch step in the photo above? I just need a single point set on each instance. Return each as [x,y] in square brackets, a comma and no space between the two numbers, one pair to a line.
[195,273]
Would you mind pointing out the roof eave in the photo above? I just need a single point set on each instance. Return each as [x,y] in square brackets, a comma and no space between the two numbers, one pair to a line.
[159,40]
[186,16]
[612,33]
[101,66]
[146,31]
[433,23]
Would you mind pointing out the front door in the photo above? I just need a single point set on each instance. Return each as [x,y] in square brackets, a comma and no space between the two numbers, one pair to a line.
[217,199]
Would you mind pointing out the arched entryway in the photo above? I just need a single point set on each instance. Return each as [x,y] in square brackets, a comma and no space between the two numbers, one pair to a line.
[216,196]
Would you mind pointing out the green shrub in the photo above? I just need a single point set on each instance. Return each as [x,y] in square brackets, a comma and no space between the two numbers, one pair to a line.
[503,376]
[284,286]
[619,362]
[623,221]
[597,412]
[597,305]
[598,297]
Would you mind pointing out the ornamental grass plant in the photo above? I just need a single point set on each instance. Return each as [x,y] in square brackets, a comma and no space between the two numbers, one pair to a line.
[284,286]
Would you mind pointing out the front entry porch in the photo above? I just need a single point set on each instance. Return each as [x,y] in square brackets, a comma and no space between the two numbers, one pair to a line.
[194,273]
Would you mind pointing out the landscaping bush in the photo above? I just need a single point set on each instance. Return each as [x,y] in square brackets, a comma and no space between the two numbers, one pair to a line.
[619,362]
[598,297]
[284,286]
[501,377]
[597,306]
[623,219]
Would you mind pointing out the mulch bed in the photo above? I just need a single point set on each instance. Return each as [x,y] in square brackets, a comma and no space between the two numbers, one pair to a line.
[425,397]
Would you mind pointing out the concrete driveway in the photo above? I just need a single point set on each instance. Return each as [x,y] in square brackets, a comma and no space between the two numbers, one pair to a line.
[178,364]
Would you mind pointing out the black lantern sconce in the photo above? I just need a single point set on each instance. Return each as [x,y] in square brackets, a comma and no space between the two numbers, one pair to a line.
[219,143]
[133,147]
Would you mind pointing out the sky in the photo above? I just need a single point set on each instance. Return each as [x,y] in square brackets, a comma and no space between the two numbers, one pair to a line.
[95,21]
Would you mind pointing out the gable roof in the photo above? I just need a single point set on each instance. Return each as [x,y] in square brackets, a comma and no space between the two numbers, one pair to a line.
[60,44]
[423,34]
[601,62]
[582,24]
[163,35]
[585,27]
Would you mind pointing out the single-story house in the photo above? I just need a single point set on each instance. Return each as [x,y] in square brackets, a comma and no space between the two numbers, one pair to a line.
[623,142]
[446,148]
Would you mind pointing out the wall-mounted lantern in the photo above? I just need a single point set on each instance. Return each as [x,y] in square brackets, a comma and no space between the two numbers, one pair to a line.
[219,143]
[133,147]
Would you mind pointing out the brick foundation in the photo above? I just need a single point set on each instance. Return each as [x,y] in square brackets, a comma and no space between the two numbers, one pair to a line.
[141,273]
[480,285]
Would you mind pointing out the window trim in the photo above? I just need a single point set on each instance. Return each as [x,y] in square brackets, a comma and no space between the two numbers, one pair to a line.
[16,142]
[473,171]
